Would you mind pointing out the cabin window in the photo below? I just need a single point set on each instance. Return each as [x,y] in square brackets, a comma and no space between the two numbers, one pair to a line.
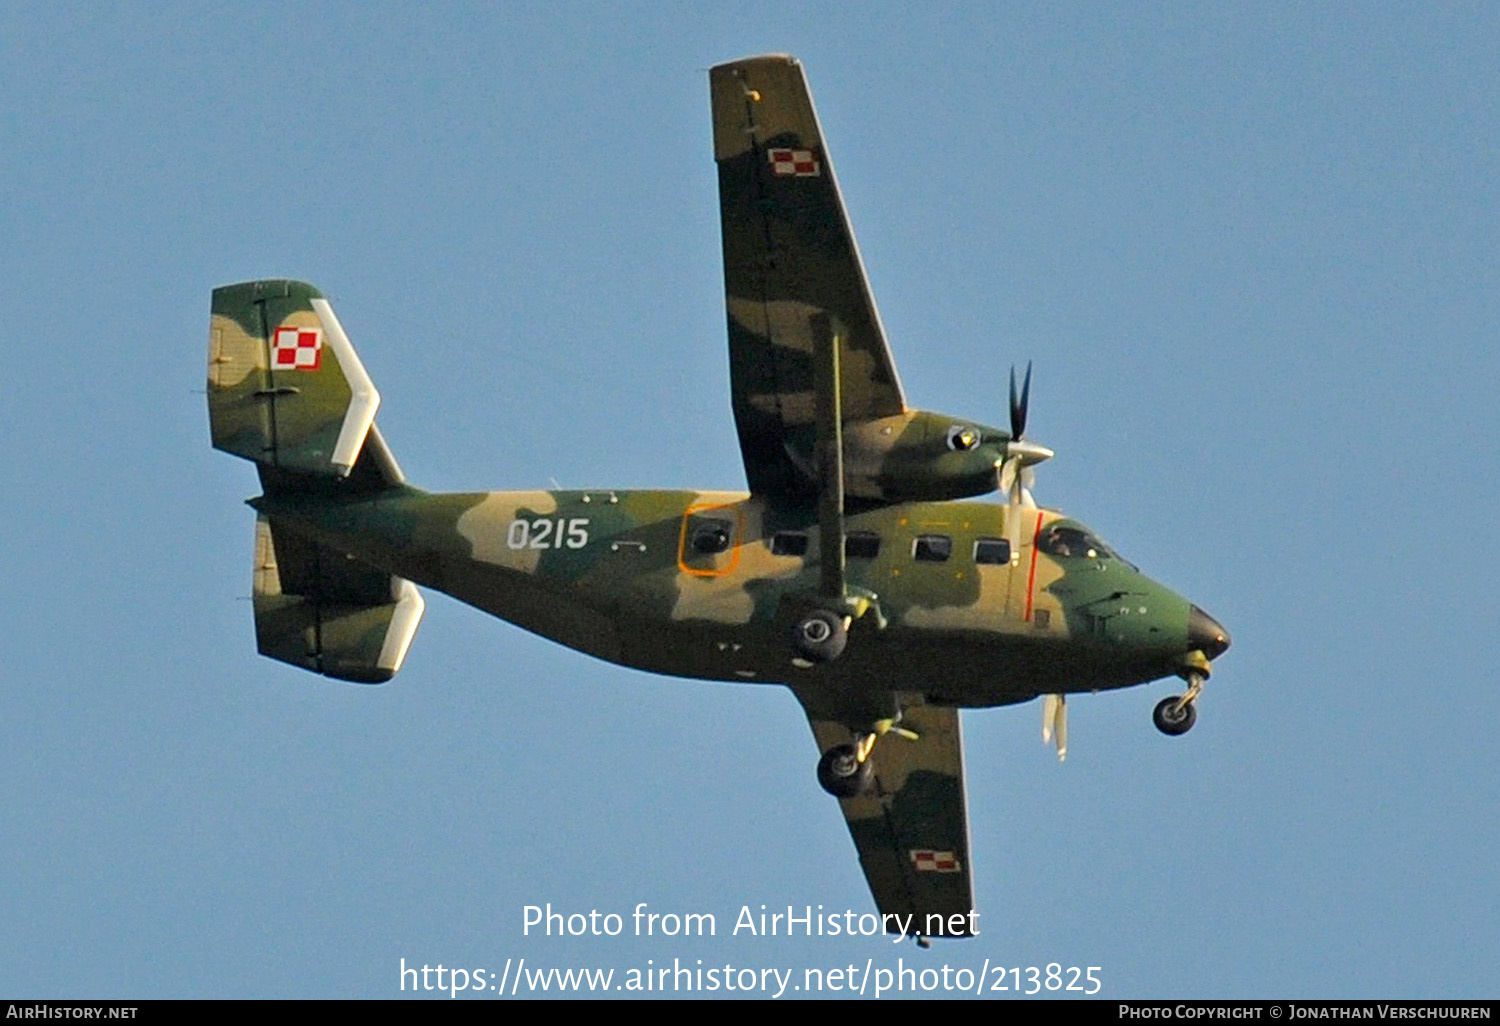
[789,543]
[992,550]
[861,545]
[710,536]
[932,548]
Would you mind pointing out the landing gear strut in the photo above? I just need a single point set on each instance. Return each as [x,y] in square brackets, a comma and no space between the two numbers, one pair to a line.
[1176,715]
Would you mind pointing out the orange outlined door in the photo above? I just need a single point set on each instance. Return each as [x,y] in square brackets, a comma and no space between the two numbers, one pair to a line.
[709,545]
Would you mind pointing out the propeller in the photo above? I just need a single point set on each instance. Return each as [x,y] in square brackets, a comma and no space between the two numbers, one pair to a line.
[1055,723]
[1016,478]
[1016,481]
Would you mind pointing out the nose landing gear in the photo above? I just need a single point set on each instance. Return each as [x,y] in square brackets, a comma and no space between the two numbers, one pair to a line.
[1176,715]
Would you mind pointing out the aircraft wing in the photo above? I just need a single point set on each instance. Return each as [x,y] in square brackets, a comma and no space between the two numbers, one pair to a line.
[912,827]
[789,259]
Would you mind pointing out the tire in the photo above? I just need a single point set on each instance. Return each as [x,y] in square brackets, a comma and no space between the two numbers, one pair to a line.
[820,636]
[1172,723]
[841,773]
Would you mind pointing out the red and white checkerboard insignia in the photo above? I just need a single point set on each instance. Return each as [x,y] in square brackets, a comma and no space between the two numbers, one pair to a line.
[297,349]
[935,862]
[795,163]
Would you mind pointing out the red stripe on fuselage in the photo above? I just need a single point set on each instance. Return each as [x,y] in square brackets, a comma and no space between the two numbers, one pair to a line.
[1031,577]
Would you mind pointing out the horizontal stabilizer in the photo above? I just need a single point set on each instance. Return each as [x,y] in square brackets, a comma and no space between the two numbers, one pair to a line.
[328,612]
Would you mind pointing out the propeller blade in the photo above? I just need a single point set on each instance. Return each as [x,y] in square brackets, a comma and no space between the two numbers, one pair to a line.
[1013,530]
[1008,471]
[1014,476]
[1015,406]
[1062,728]
[1019,407]
[1055,723]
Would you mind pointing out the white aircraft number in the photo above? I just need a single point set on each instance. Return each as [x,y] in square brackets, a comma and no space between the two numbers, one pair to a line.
[544,533]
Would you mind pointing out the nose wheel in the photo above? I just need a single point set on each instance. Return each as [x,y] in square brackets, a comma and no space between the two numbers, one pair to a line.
[1176,715]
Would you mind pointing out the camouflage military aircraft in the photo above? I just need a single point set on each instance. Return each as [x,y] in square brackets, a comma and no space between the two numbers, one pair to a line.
[851,572]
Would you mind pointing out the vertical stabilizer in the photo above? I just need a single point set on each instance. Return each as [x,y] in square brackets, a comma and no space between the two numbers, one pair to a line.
[285,387]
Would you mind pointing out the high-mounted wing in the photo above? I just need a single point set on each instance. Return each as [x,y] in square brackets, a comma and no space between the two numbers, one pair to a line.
[911,827]
[791,268]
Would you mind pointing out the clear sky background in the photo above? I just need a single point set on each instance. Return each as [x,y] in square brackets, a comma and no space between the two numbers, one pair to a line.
[1251,248]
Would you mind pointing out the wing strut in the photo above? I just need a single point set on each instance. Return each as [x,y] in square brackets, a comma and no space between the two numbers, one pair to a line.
[850,602]
[823,629]
[830,423]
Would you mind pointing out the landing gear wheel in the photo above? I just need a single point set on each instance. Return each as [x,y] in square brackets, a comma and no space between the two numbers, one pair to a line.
[1169,719]
[820,636]
[842,774]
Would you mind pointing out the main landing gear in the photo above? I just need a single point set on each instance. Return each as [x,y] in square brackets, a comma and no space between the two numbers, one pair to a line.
[847,770]
[820,636]
[1176,715]
[842,774]
[821,633]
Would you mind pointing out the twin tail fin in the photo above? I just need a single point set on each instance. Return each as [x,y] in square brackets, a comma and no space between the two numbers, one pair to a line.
[285,387]
[287,391]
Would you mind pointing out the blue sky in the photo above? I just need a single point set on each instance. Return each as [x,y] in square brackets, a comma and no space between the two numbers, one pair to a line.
[1250,247]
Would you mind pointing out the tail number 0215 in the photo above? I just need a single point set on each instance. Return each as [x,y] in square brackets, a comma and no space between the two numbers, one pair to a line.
[543,533]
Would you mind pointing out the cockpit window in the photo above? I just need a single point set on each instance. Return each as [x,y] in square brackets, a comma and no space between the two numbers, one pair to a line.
[1074,543]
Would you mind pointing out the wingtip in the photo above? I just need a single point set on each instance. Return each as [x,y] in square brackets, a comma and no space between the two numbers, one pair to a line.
[757,58]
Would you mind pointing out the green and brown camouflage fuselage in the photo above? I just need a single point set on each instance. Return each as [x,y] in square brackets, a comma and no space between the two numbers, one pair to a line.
[616,574]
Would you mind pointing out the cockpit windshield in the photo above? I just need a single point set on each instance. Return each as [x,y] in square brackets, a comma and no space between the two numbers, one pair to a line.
[1071,541]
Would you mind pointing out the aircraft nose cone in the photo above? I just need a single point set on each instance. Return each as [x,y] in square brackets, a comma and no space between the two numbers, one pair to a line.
[1206,634]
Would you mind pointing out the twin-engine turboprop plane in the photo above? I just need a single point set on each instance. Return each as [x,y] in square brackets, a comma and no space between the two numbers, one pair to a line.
[851,572]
